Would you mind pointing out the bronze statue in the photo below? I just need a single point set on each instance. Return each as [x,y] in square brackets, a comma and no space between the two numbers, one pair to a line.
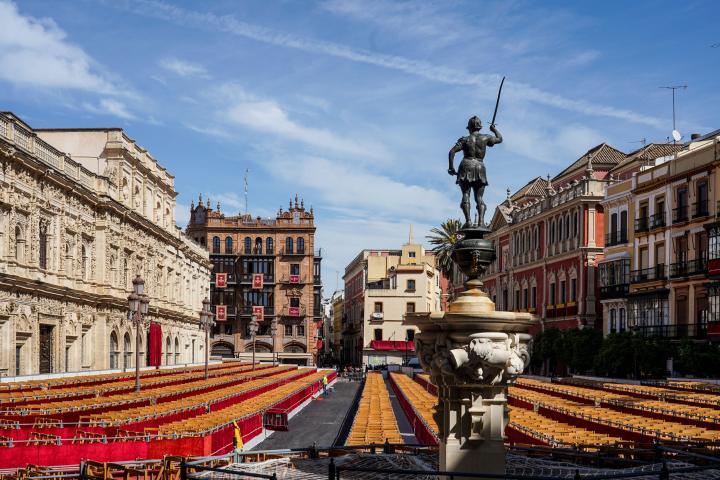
[471,174]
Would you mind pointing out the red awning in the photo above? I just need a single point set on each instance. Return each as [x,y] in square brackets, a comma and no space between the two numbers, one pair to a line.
[155,345]
[392,345]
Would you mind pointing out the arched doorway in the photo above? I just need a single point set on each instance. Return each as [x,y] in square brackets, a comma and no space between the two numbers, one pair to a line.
[113,350]
[168,351]
[222,349]
[177,351]
[126,351]
[260,347]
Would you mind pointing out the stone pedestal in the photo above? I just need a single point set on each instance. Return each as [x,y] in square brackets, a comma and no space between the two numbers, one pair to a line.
[472,353]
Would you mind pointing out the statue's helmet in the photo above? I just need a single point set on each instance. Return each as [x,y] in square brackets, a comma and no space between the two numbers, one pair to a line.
[474,124]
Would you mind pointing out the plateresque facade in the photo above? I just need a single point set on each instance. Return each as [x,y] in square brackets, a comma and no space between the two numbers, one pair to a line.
[75,229]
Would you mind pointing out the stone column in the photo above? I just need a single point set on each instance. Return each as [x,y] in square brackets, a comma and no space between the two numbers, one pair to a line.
[472,354]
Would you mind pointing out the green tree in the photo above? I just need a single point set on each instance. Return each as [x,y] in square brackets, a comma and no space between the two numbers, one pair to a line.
[443,240]
[579,347]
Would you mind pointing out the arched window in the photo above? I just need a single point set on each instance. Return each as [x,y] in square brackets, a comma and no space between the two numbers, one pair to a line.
[622,323]
[126,351]
[300,245]
[258,246]
[228,245]
[560,229]
[288,245]
[216,245]
[248,246]
[43,245]
[552,232]
[168,352]
[69,260]
[113,269]
[613,326]
[567,226]
[177,351]
[113,350]
[19,244]
[269,247]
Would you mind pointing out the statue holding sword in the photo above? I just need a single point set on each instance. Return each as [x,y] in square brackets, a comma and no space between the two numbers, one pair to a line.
[471,174]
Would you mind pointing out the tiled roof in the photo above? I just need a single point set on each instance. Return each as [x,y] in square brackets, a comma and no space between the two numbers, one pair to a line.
[650,151]
[534,188]
[602,155]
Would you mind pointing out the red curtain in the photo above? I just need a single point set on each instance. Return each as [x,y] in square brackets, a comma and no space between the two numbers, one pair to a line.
[155,345]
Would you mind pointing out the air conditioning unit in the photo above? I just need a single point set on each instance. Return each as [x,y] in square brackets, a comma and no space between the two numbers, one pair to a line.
[377,316]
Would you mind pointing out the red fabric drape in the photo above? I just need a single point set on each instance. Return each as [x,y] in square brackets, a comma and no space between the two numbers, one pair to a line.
[155,346]
[392,345]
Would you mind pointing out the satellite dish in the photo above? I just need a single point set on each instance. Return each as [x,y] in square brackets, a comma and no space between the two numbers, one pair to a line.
[676,135]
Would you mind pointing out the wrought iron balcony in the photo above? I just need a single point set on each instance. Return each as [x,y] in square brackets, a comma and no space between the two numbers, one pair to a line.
[614,291]
[642,224]
[648,274]
[688,268]
[293,279]
[615,238]
[246,311]
[294,251]
[700,209]
[231,277]
[675,331]
[680,214]
[288,311]
[247,278]
[317,280]
[657,220]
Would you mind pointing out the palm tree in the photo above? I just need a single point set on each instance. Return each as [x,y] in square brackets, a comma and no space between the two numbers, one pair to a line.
[443,241]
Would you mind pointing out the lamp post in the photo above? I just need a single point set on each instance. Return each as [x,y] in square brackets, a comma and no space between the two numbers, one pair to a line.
[273,332]
[138,303]
[206,323]
[253,331]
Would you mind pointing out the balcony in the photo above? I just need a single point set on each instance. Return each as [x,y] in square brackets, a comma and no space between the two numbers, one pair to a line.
[680,214]
[700,209]
[648,274]
[375,316]
[677,331]
[247,278]
[642,224]
[317,280]
[689,268]
[246,311]
[657,221]
[292,252]
[231,278]
[231,310]
[614,291]
[293,312]
[615,238]
[293,279]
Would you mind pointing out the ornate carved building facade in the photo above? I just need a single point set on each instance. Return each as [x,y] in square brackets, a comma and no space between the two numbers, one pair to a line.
[270,263]
[75,228]
[549,240]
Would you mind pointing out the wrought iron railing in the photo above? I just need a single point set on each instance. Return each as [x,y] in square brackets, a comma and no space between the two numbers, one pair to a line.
[657,220]
[642,224]
[700,209]
[648,274]
[680,214]
[687,268]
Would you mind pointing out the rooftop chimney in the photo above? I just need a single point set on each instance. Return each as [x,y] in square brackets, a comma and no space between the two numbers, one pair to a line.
[695,136]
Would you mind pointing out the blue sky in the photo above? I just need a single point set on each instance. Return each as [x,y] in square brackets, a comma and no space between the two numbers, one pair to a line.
[354,104]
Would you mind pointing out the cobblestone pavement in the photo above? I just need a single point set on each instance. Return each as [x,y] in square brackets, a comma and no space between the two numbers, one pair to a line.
[300,469]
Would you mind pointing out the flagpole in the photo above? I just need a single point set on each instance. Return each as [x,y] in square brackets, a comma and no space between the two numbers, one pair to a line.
[247,170]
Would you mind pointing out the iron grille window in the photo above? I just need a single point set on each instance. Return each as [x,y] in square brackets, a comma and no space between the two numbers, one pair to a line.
[216,244]
[300,245]
[247,247]
[647,311]
[289,245]
[228,245]
[269,247]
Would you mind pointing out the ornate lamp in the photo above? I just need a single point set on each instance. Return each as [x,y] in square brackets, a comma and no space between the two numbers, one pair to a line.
[206,323]
[138,304]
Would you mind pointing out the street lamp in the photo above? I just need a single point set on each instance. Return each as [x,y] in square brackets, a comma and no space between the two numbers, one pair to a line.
[273,332]
[253,331]
[206,323]
[138,303]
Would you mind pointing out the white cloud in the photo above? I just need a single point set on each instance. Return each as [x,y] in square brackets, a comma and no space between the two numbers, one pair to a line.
[487,82]
[35,52]
[554,146]
[184,68]
[348,186]
[239,108]
[582,58]
[109,106]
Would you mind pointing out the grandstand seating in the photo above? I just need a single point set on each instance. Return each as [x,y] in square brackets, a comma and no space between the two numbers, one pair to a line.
[374,421]
[555,433]
[419,406]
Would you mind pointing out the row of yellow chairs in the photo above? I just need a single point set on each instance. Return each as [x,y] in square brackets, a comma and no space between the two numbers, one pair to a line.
[139,414]
[423,402]
[117,401]
[374,421]
[208,422]
[554,433]
[662,429]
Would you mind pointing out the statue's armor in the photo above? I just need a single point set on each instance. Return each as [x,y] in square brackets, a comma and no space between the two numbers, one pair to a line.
[472,168]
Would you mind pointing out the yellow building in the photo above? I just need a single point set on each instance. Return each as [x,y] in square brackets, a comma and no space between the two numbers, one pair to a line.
[380,287]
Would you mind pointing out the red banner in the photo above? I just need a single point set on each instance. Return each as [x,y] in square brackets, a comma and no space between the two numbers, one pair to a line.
[220,313]
[257,281]
[258,313]
[714,267]
[294,278]
[220,280]
[155,345]
[294,311]
[392,345]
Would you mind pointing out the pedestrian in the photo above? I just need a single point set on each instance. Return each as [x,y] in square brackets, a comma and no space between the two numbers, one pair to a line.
[325,382]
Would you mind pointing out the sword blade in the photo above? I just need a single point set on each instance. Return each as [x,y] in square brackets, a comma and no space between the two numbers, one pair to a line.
[497,102]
